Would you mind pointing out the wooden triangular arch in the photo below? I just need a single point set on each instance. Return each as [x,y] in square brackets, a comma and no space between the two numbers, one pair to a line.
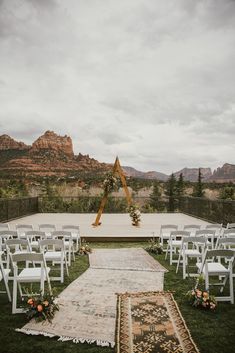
[117,170]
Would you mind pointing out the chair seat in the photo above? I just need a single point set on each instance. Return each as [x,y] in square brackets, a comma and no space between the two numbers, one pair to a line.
[31,274]
[192,252]
[176,242]
[75,236]
[6,273]
[214,267]
[53,255]
[34,243]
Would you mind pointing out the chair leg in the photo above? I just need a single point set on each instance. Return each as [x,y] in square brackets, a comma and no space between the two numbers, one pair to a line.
[14,301]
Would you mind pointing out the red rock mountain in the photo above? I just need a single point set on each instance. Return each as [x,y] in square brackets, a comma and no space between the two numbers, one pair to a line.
[224,174]
[49,155]
[191,174]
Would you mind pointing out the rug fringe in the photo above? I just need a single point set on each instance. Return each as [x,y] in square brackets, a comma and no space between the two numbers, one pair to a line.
[67,338]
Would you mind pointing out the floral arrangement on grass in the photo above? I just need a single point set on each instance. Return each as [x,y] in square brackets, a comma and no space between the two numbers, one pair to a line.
[85,249]
[134,214]
[154,247]
[200,298]
[110,183]
[41,307]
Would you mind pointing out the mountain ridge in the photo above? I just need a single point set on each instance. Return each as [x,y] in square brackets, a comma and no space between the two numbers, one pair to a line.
[52,154]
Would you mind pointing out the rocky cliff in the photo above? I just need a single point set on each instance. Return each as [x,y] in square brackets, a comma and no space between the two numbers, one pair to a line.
[50,141]
[224,174]
[191,174]
[8,143]
[49,155]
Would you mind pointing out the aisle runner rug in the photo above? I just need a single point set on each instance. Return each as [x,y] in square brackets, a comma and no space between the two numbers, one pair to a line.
[151,322]
[136,259]
[88,305]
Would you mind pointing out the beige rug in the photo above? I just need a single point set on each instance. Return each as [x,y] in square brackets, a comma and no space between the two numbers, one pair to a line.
[135,259]
[88,305]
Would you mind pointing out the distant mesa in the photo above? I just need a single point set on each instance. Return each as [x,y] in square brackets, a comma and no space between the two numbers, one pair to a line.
[49,155]
[53,155]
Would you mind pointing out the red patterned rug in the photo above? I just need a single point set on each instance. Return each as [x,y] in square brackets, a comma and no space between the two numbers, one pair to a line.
[151,322]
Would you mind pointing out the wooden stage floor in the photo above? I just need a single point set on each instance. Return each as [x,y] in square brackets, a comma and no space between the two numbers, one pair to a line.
[114,227]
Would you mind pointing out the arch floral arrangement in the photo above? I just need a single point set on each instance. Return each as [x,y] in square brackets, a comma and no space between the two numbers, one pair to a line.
[134,214]
[110,183]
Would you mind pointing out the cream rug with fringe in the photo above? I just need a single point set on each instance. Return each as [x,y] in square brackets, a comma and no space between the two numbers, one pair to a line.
[88,305]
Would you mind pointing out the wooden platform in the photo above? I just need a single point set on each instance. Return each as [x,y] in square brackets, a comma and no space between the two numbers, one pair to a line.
[114,227]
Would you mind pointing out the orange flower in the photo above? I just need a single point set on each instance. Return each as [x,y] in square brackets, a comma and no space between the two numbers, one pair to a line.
[39,308]
[46,303]
[30,301]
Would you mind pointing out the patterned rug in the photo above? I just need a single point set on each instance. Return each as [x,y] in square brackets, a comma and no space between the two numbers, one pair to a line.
[151,323]
[135,259]
[88,305]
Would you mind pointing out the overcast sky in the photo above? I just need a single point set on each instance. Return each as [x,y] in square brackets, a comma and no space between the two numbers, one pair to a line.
[152,81]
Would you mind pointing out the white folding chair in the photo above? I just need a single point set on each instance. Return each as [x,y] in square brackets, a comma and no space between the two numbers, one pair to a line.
[47,228]
[66,236]
[75,230]
[22,228]
[165,231]
[28,275]
[209,235]
[191,248]
[4,275]
[174,243]
[216,227]
[4,235]
[16,246]
[54,252]
[212,267]
[34,236]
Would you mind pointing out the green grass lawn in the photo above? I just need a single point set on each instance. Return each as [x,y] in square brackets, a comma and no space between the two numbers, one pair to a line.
[213,332]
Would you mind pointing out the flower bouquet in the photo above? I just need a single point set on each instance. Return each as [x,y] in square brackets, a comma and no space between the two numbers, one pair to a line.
[85,249]
[41,307]
[201,298]
[110,183]
[134,214]
[154,247]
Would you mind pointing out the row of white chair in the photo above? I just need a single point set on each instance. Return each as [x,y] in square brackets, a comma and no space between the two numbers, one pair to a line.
[52,251]
[208,258]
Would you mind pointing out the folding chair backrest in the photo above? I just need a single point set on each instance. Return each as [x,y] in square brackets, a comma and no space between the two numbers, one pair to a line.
[24,227]
[4,226]
[58,243]
[71,227]
[192,226]
[219,253]
[61,234]
[228,233]
[47,227]
[226,241]
[231,226]
[9,233]
[17,244]
[214,226]
[23,257]
[199,239]
[205,232]
[169,226]
[37,234]
[179,233]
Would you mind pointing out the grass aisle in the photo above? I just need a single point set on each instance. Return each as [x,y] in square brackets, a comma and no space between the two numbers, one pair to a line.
[213,332]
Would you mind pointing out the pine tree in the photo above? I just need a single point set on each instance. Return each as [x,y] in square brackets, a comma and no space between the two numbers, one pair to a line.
[198,189]
[180,185]
[155,195]
[171,192]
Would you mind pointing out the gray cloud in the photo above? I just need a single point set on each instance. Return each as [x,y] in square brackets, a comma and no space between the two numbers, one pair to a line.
[155,86]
